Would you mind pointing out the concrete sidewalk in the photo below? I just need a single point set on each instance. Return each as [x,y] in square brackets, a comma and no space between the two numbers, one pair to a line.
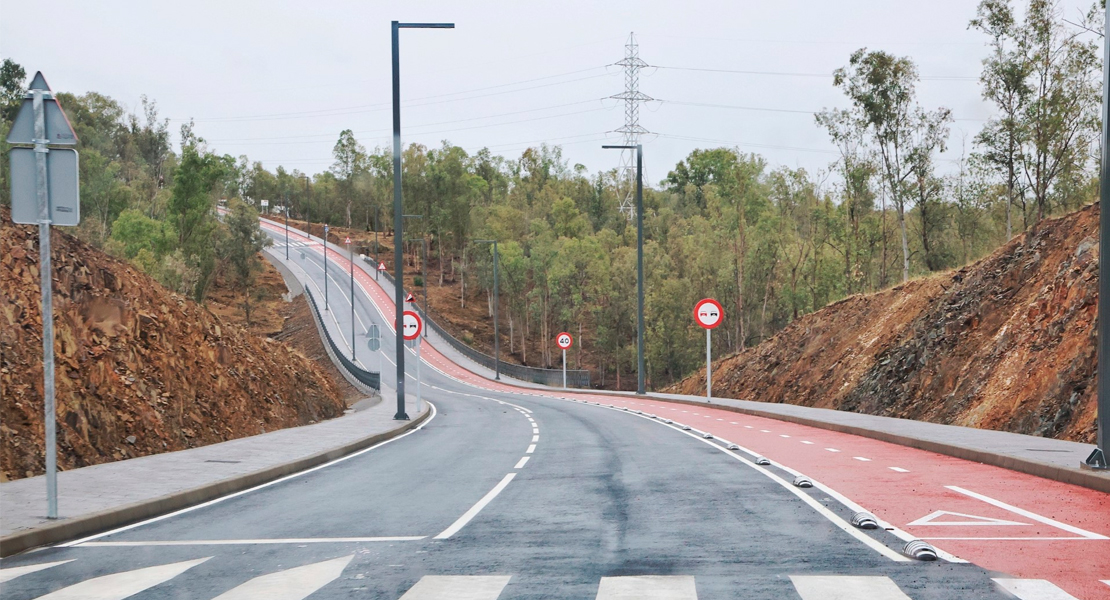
[100,497]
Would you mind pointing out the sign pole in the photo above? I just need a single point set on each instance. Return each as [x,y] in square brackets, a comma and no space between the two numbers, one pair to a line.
[285,210]
[351,260]
[419,400]
[325,266]
[564,369]
[46,275]
[708,364]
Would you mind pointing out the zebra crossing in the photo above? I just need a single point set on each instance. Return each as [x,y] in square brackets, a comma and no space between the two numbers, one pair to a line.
[298,583]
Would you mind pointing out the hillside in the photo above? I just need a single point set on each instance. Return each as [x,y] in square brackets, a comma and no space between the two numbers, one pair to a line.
[1006,343]
[139,370]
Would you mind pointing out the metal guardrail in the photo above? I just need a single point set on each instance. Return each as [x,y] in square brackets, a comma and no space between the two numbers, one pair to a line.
[553,377]
[367,378]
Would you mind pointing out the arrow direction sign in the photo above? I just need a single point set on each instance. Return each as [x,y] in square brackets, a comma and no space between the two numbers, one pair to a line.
[58,130]
[943,517]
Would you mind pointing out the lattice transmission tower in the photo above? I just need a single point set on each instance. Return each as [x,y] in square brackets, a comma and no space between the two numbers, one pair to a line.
[632,130]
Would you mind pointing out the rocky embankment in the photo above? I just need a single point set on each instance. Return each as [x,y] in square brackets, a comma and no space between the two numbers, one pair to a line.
[1006,343]
[139,370]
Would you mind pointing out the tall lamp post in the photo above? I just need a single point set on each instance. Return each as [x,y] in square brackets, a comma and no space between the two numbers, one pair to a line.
[496,304]
[1098,458]
[639,261]
[398,235]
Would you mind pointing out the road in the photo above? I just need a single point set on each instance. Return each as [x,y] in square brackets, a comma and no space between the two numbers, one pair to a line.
[515,493]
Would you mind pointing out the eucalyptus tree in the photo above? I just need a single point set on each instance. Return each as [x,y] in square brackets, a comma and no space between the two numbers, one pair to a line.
[350,160]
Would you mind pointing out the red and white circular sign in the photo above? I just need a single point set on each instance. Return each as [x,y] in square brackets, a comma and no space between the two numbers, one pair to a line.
[564,341]
[411,325]
[708,313]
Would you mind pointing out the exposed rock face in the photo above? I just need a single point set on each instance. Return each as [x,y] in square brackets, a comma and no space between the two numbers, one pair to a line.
[1007,343]
[139,370]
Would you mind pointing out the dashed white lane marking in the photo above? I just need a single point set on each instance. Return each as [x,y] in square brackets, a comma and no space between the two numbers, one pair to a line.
[748,427]
[861,459]
[259,541]
[899,469]
[520,464]
[647,587]
[444,587]
[477,508]
[535,438]
[832,449]
[807,442]
[1033,589]
[530,449]
[535,431]
[12,573]
[783,435]
[765,431]
[121,585]
[291,584]
[1028,514]
[831,587]
[733,423]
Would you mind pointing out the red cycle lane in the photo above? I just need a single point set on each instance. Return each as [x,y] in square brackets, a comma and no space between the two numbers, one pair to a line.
[1001,520]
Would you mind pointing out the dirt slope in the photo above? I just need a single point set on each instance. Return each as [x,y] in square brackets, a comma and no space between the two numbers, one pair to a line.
[1006,343]
[139,370]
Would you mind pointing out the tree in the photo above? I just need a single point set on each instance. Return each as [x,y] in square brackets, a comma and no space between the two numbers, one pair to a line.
[240,248]
[350,159]
[1005,83]
[881,88]
[12,91]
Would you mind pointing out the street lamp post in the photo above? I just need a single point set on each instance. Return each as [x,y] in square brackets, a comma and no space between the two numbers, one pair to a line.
[325,267]
[351,262]
[496,304]
[398,268]
[639,262]
[1098,458]
[285,209]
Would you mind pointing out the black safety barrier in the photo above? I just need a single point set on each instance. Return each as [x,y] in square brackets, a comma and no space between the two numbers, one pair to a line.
[369,378]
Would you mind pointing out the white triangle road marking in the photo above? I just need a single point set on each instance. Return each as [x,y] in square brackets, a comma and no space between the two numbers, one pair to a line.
[935,519]
[290,584]
[1034,589]
[457,587]
[118,586]
[12,573]
[647,587]
[831,587]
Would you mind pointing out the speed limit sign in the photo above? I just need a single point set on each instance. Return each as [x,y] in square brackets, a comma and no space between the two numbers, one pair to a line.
[564,341]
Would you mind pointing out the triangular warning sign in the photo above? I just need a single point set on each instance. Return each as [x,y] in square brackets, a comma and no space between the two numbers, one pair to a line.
[381,266]
[944,517]
[58,129]
[410,298]
[348,240]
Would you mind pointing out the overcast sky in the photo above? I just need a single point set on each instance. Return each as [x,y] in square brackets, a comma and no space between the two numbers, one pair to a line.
[278,81]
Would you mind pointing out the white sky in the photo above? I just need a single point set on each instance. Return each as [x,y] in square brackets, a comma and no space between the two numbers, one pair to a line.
[219,62]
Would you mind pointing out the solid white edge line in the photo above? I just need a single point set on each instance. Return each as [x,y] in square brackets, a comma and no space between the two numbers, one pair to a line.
[523,461]
[1032,589]
[477,508]
[1029,515]
[431,406]
[412,538]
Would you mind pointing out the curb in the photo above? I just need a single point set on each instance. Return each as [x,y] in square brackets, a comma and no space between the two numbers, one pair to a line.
[84,525]
[1087,479]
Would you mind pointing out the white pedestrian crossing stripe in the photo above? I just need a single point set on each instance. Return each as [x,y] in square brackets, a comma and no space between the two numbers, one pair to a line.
[830,587]
[647,587]
[292,584]
[451,587]
[1034,589]
[12,573]
[122,585]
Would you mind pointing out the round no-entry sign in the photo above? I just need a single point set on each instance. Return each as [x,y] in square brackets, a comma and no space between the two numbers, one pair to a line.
[411,325]
[708,313]
[564,341]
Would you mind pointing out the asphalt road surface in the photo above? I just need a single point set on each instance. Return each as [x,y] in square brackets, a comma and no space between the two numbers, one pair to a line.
[506,493]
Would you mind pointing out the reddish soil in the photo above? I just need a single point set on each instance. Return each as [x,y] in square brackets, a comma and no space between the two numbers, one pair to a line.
[139,370]
[1006,343]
